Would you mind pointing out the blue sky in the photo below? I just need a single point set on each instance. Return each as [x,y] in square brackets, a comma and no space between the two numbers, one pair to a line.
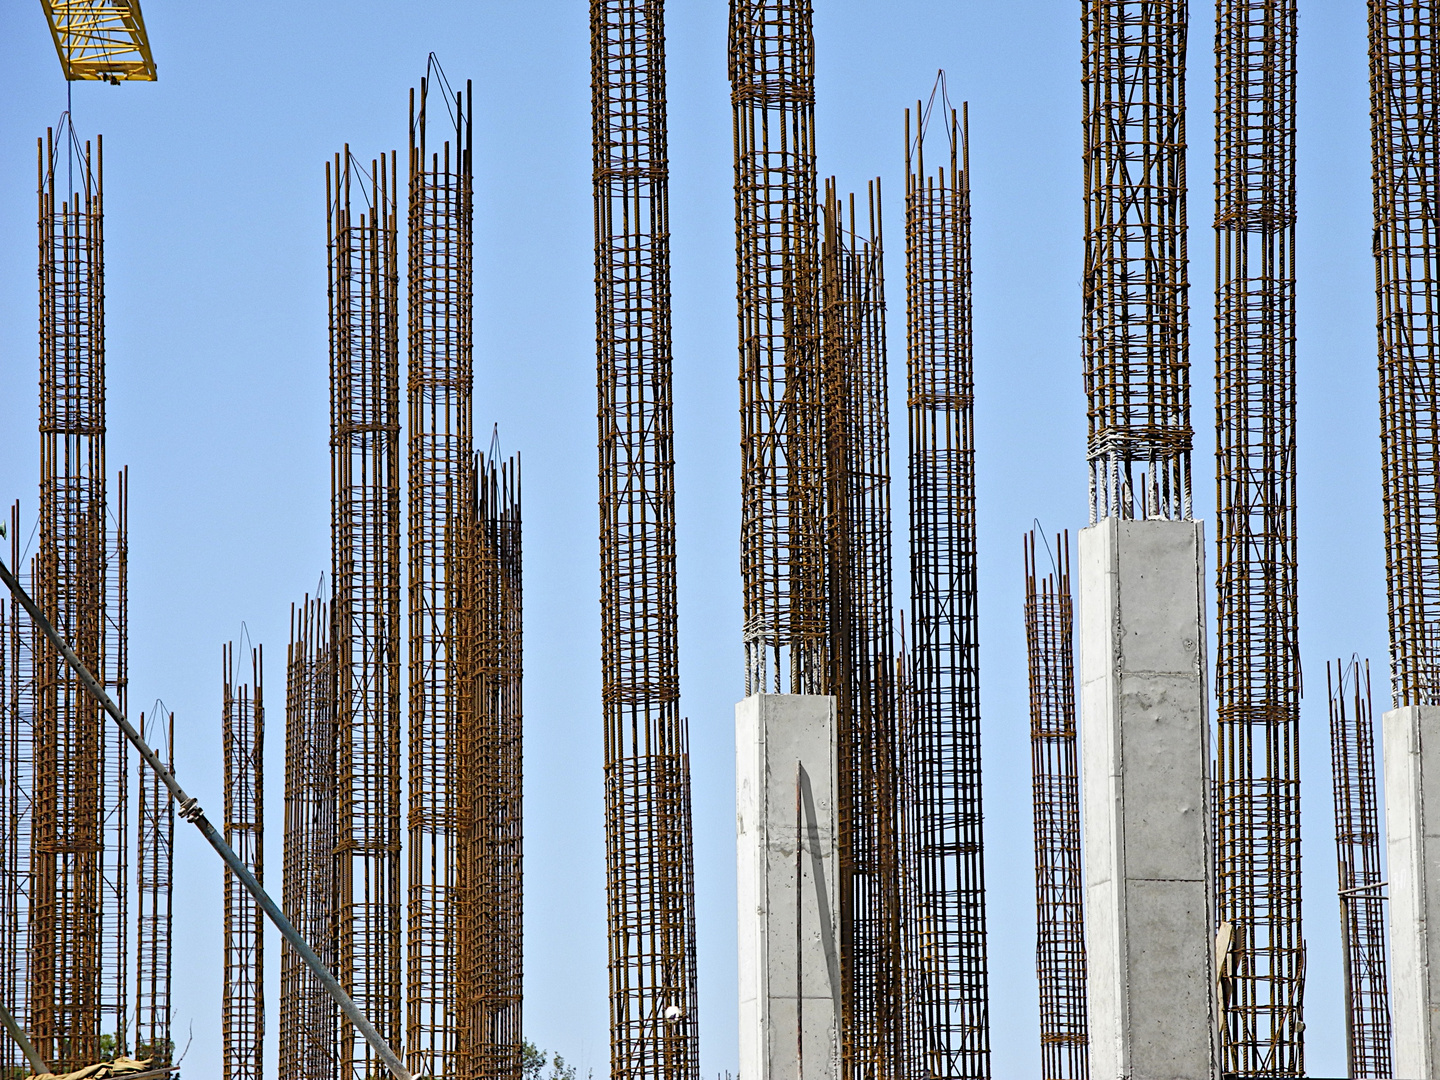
[216,313]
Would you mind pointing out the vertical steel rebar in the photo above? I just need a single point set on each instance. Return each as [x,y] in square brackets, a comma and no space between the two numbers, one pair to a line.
[309,1020]
[365,608]
[154,877]
[1357,849]
[486,643]
[860,594]
[654,1027]
[1404,98]
[243,731]
[772,83]
[1257,671]
[1059,884]
[17,716]
[439,389]
[1136,312]
[951,972]
[70,906]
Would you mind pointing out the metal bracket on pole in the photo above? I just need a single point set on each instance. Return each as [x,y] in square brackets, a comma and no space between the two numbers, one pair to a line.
[190,811]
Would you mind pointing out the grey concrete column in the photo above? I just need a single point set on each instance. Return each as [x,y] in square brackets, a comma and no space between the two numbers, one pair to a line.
[1145,781]
[1412,840]
[785,834]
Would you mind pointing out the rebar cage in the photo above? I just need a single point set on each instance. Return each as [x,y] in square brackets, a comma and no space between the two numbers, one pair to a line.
[654,1025]
[365,607]
[1404,62]
[1257,671]
[439,389]
[243,1000]
[772,84]
[1135,333]
[1357,849]
[1059,883]
[951,973]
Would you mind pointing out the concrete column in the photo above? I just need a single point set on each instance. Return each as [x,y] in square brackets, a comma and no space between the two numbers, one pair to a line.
[1412,839]
[1145,781]
[785,835]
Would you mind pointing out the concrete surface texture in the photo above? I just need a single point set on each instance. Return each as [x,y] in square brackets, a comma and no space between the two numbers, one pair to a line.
[1145,780]
[1412,840]
[785,834]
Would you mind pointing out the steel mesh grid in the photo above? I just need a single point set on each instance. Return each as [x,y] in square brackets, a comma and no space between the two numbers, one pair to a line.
[861,656]
[439,387]
[309,1020]
[946,819]
[772,81]
[1059,884]
[1257,672]
[1136,317]
[650,888]
[1357,850]
[154,878]
[365,607]
[1404,97]
[243,1003]
[68,917]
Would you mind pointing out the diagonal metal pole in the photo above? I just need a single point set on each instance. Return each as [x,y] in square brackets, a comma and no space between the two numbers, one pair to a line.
[23,1041]
[190,811]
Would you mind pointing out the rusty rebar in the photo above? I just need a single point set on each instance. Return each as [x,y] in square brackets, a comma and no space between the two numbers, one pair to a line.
[772,84]
[873,1040]
[1357,849]
[1257,671]
[17,767]
[1136,316]
[365,605]
[654,1027]
[1404,97]
[1059,885]
[309,1020]
[486,642]
[117,775]
[243,734]
[154,879]
[69,906]
[439,388]
[950,975]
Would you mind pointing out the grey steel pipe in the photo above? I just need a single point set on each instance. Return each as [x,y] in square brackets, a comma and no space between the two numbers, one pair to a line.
[190,811]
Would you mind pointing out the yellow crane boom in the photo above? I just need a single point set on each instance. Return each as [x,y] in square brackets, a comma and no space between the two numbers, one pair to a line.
[100,39]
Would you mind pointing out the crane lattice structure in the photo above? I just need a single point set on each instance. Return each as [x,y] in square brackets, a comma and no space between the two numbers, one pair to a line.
[17,786]
[1136,314]
[78,905]
[1357,849]
[1059,883]
[654,1025]
[154,881]
[243,1005]
[772,83]
[309,1021]
[1404,97]
[950,977]
[486,641]
[439,387]
[101,40]
[365,606]
[873,1039]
